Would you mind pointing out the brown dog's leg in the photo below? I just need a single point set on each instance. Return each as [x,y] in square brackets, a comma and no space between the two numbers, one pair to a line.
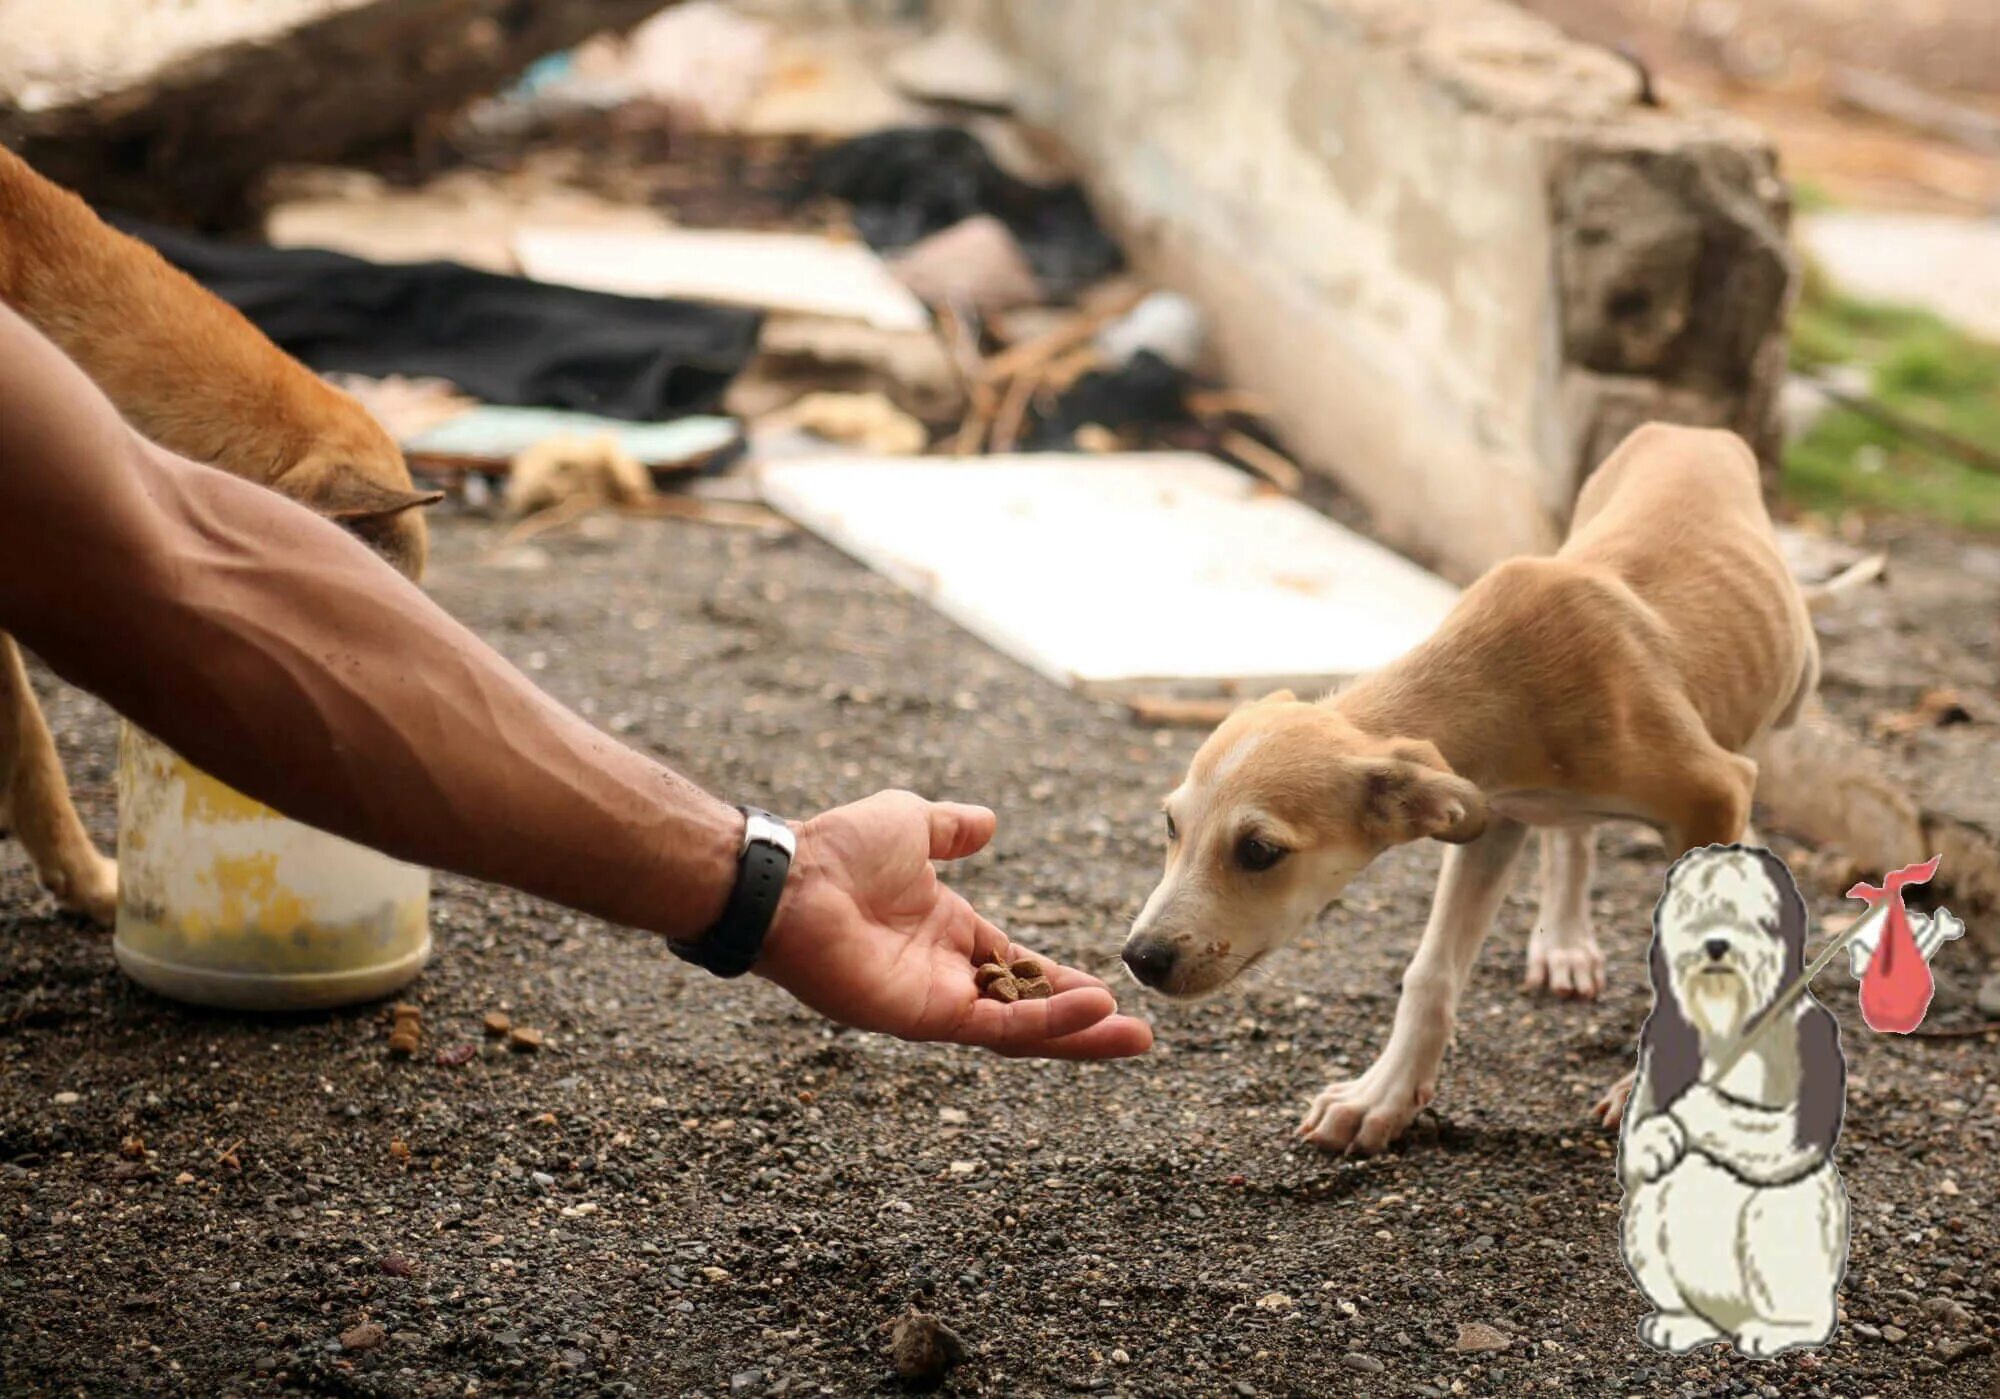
[1711,803]
[34,799]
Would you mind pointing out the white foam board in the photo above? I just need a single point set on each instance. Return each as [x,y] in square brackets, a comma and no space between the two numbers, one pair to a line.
[1108,573]
[776,271]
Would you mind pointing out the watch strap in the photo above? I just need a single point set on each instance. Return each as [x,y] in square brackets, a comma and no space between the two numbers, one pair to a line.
[734,941]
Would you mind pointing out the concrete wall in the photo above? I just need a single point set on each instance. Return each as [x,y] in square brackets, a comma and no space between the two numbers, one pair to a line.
[1450,245]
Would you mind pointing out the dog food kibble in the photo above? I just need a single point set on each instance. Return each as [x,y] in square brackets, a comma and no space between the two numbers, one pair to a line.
[407,1032]
[497,1023]
[522,1040]
[1022,980]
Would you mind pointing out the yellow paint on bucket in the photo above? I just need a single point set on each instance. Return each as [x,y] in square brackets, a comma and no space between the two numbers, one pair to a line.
[224,902]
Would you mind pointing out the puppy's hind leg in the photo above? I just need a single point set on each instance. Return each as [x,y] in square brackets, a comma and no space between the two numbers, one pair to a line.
[1363,1115]
[1563,956]
[35,799]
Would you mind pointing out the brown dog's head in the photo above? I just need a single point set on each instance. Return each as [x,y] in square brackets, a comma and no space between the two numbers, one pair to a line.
[1285,803]
[354,474]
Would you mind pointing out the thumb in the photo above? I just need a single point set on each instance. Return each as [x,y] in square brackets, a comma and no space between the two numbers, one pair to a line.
[958,830]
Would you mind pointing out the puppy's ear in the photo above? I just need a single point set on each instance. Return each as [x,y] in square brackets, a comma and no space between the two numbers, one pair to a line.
[1279,697]
[345,494]
[1405,801]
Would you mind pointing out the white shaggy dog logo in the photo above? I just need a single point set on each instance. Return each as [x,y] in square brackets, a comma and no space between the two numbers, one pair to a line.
[1735,1223]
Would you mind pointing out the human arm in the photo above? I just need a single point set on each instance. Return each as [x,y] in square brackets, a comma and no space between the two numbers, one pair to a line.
[277,653]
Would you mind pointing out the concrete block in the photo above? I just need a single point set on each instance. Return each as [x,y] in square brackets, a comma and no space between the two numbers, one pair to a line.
[1451,246]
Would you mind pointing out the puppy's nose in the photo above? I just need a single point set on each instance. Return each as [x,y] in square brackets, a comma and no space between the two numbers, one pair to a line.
[1149,961]
[1716,948]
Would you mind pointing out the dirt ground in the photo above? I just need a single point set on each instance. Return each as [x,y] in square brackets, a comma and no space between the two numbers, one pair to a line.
[697,1190]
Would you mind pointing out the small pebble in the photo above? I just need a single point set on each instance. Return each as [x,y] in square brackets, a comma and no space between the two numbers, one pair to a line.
[1894,1335]
[1476,1336]
[1362,1362]
[366,1336]
[67,1099]
[397,1266]
[924,1348]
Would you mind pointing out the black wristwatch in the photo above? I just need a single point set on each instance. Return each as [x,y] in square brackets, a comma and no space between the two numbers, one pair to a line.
[731,945]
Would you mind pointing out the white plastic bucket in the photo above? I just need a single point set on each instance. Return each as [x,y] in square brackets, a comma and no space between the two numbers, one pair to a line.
[223,902]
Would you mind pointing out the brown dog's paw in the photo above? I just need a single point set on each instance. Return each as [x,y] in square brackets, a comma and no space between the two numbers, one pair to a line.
[89,886]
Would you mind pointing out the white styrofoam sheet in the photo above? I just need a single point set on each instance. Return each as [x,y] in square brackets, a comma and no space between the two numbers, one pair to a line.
[777,271]
[1102,571]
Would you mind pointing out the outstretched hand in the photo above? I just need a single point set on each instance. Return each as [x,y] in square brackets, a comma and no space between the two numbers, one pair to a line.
[870,936]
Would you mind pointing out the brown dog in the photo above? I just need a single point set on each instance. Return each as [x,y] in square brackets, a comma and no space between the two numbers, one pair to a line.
[193,375]
[1622,679]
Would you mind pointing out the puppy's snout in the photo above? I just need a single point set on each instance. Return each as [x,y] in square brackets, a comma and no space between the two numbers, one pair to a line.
[1150,961]
[1716,948]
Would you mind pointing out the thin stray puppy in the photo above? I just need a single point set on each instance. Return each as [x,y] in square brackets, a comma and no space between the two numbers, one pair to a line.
[1622,679]
[191,374]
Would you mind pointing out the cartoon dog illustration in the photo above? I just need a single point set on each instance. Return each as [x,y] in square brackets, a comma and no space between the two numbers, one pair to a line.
[1735,1220]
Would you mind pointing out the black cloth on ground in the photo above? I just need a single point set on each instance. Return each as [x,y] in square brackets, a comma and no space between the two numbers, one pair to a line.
[501,339]
[905,183]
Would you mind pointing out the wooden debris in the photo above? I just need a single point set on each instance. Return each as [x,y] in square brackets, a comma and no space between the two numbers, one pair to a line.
[1266,462]
[1173,712]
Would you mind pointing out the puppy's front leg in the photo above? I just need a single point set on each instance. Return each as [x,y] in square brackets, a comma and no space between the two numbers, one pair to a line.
[1364,1115]
[1563,955]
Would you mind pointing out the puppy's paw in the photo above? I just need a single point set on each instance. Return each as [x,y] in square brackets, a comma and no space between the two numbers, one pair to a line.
[1571,968]
[1609,1109]
[1653,1148]
[87,883]
[1759,1339]
[1678,1332]
[1362,1116]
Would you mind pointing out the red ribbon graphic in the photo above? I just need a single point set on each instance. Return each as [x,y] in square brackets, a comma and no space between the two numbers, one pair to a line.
[1896,989]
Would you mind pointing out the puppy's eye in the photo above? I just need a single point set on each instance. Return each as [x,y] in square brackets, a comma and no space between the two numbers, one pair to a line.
[1173,831]
[1257,855]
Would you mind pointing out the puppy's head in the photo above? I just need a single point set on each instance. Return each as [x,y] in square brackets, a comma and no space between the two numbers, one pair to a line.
[354,474]
[1728,932]
[1282,807]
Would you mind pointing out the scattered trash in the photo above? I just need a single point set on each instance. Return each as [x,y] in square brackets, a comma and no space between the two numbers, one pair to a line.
[703,61]
[906,183]
[797,355]
[457,1056]
[592,470]
[1934,709]
[1165,323]
[976,263]
[1147,392]
[955,67]
[468,217]
[777,271]
[923,1348]
[504,340]
[488,438]
[1172,549]
[868,421]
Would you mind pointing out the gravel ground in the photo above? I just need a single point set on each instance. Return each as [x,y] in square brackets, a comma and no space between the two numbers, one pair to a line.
[696,1190]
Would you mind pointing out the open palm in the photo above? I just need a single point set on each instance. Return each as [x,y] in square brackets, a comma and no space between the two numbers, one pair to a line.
[870,936]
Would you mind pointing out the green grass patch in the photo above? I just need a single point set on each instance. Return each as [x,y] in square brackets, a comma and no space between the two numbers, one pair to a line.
[1924,369]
